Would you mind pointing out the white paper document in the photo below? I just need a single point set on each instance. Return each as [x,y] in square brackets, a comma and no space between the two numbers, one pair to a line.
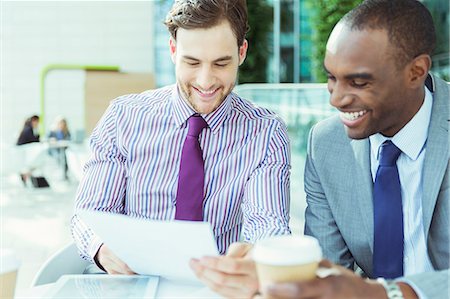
[104,286]
[150,247]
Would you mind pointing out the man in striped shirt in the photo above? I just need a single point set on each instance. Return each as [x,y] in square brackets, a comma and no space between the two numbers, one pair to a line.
[137,145]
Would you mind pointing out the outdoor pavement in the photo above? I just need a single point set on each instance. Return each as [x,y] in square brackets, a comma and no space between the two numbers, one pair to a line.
[35,221]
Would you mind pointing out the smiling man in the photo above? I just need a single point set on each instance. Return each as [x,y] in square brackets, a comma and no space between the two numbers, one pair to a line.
[376,175]
[192,151]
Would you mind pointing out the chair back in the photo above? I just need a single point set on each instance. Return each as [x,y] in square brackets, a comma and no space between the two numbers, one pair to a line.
[64,261]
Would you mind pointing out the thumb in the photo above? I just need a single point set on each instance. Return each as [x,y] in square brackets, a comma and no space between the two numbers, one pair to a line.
[325,264]
[238,249]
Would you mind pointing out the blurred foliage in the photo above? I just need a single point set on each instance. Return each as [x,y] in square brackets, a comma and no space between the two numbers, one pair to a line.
[260,19]
[326,13]
[439,10]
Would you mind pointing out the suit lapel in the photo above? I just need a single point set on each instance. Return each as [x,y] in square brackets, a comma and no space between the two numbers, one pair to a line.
[437,155]
[364,186]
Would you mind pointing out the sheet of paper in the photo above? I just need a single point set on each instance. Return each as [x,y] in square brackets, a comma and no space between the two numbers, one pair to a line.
[104,286]
[150,247]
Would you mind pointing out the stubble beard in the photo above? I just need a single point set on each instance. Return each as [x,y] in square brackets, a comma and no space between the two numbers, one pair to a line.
[187,95]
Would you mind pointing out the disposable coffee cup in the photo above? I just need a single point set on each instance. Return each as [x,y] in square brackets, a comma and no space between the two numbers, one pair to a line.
[8,273]
[286,259]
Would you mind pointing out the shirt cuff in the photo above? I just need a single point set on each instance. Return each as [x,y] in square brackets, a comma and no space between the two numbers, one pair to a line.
[94,246]
[416,289]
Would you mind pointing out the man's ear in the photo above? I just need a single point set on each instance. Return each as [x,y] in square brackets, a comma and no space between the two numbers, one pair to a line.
[173,48]
[243,51]
[418,70]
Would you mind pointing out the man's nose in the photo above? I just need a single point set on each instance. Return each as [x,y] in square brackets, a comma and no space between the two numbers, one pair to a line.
[206,78]
[339,96]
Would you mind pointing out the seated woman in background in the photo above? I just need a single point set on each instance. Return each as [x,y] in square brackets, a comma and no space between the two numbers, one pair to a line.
[29,131]
[60,132]
[33,152]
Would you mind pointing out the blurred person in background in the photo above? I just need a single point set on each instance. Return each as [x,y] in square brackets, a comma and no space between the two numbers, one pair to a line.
[30,131]
[59,132]
[30,148]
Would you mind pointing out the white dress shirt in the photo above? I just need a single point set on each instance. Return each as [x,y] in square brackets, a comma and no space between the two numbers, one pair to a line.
[411,140]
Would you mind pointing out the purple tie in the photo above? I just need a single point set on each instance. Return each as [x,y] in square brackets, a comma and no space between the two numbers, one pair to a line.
[192,174]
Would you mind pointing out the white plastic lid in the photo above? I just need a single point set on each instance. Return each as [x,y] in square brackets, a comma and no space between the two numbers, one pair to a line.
[9,261]
[287,250]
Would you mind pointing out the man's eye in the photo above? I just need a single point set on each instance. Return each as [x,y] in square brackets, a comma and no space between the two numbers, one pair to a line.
[359,84]
[192,63]
[331,77]
[221,65]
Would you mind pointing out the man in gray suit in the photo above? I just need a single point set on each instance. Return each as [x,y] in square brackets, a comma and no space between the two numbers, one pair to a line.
[377,61]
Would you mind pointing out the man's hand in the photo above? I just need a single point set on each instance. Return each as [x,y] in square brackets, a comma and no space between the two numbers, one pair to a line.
[344,284]
[232,275]
[111,263]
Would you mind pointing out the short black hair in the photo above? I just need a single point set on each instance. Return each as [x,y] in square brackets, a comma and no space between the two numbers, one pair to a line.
[408,23]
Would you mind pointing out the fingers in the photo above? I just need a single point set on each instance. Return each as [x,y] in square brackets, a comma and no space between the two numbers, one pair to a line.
[310,289]
[238,249]
[228,285]
[239,281]
[325,264]
[306,289]
[283,290]
[111,263]
[230,265]
[344,285]
[122,268]
[117,266]
[232,275]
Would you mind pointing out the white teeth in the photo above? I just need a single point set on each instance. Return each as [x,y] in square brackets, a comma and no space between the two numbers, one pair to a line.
[207,92]
[353,115]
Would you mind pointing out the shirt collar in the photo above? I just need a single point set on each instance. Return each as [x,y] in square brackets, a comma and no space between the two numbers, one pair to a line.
[182,110]
[416,129]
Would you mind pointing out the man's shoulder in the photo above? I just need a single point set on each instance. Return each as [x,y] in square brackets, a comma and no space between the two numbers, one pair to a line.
[329,136]
[439,84]
[441,91]
[329,129]
[148,98]
[252,111]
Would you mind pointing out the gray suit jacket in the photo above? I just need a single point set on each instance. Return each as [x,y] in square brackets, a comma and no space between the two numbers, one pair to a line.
[338,185]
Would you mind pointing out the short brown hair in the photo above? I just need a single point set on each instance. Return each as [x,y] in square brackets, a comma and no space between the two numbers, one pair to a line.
[194,14]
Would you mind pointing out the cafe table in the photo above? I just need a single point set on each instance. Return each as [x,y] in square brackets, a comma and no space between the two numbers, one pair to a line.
[166,289]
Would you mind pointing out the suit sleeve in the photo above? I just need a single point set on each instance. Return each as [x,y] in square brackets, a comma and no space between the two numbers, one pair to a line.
[319,219]
[431,284]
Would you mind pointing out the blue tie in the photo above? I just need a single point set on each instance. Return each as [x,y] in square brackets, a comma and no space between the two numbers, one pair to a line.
[388,216]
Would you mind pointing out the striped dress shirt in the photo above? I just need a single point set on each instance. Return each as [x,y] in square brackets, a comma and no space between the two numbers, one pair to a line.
[136,150]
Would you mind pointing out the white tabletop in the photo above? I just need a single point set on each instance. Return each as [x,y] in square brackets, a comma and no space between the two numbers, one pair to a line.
[166,289]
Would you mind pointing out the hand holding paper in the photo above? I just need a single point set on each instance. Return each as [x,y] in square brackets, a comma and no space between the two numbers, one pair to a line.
[111,263]
[150,247]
